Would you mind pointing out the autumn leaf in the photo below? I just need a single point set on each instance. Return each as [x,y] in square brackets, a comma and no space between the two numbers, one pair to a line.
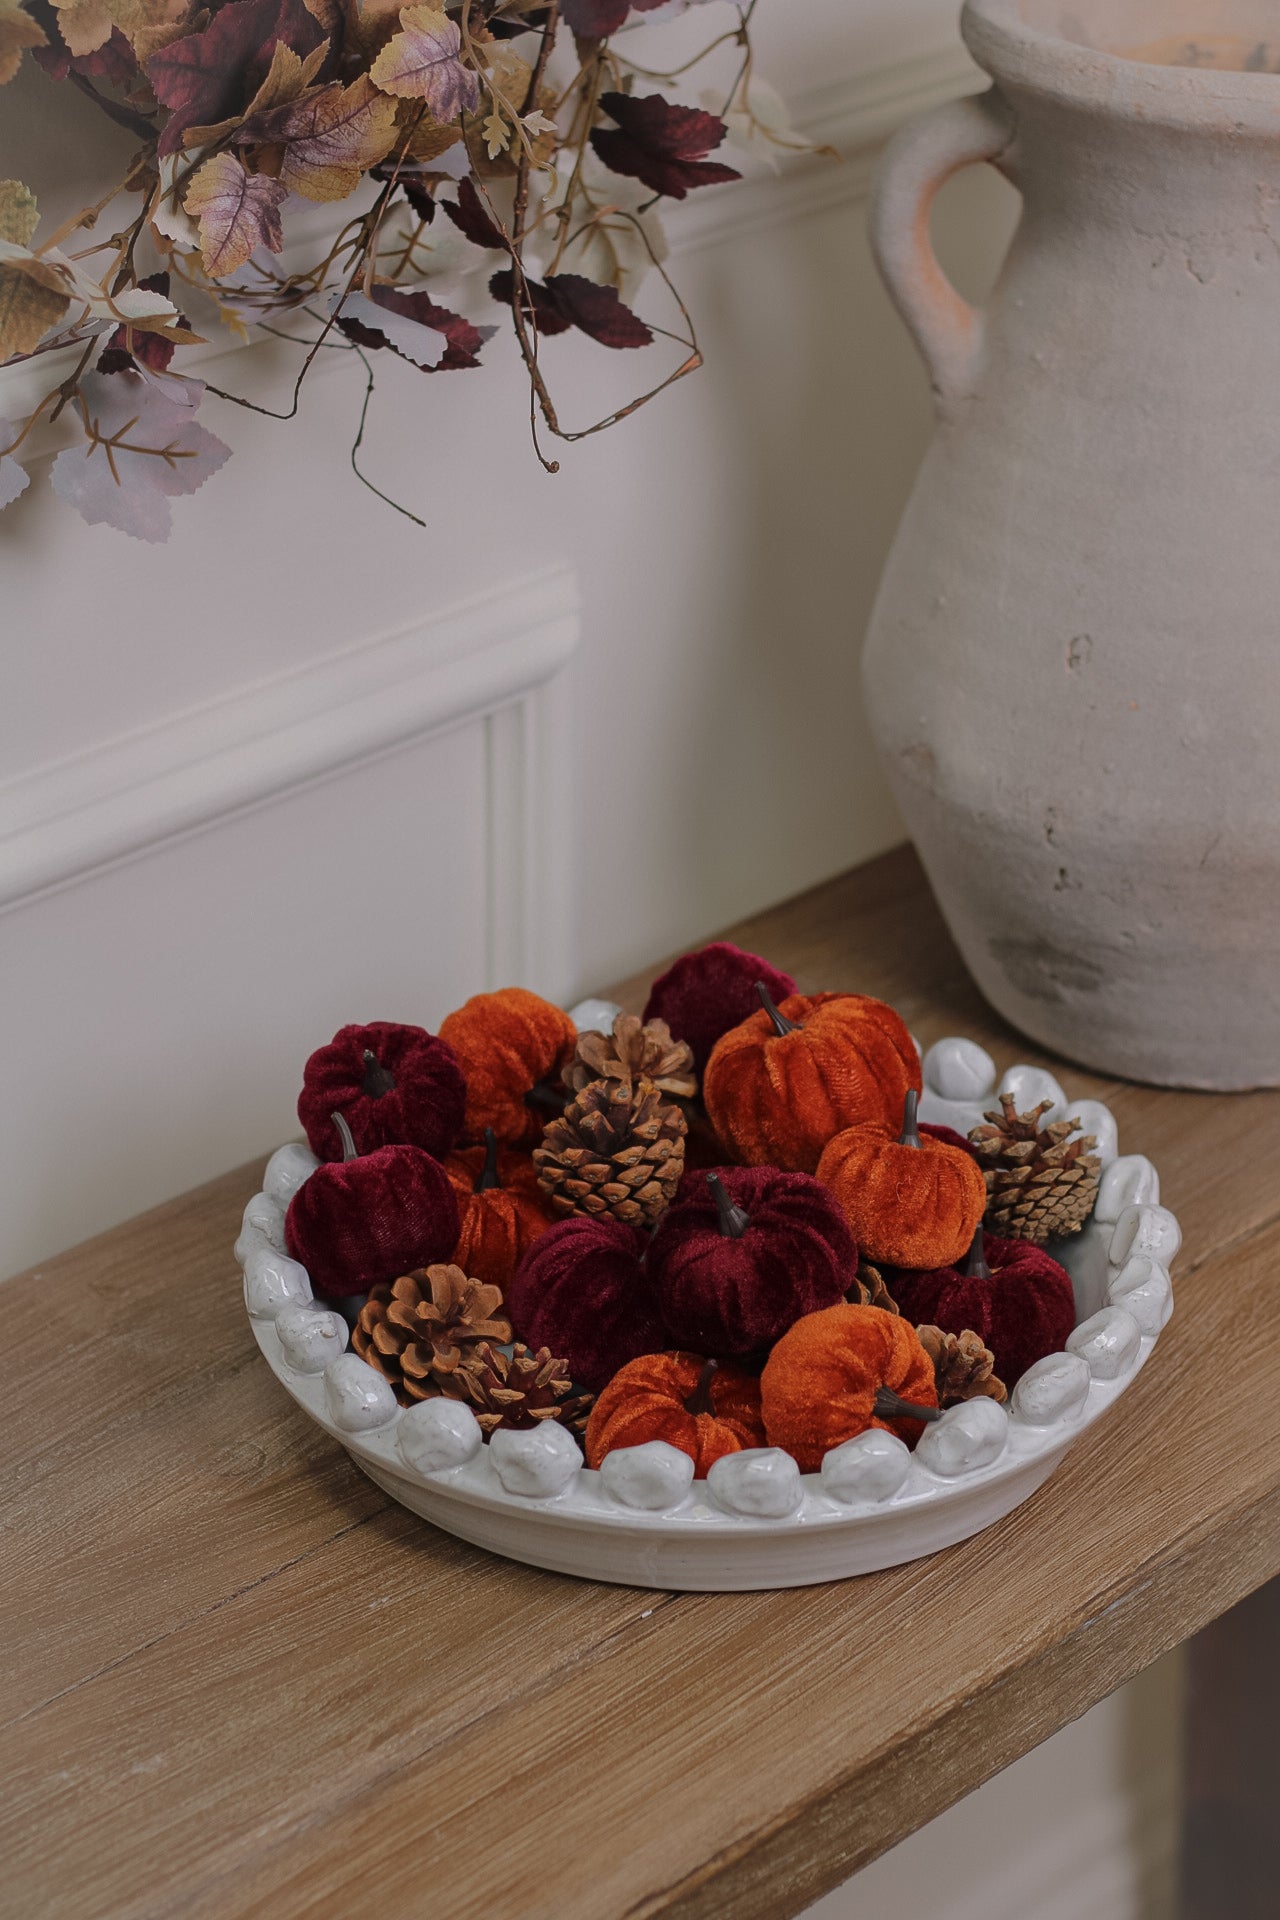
[237,212]
[18,31]
[331,137]
[377,328]
[596,19]
[34,296]
[13,478]
[470,217]
[114,61]
[661,144]
[85,25]
[130,347]
[206,76]
[422,63]
[287,77]
[143,448]
[566,300]
[19,215]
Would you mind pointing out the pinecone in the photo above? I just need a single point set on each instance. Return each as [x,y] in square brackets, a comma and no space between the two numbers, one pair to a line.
[616,1149]
[962,1367]
[869,1290]
[416,1331]
[1039,1181]
[518,1390]
[634,1051]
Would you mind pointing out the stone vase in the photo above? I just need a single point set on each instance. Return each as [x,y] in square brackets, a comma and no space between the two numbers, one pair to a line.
[1073,668]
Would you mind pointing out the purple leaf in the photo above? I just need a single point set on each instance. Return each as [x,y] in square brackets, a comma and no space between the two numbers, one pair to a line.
[470,217]
[207,76]
[422,62]
[143,447]
[571,300]
[661,144]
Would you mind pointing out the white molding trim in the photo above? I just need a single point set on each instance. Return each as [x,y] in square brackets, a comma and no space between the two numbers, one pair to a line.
[494,659]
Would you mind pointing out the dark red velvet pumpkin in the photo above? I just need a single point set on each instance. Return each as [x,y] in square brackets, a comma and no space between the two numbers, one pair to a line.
[743,1253]
[703,994]
[582,1290]
[392,1084]
[1009,1292]
[372,1217]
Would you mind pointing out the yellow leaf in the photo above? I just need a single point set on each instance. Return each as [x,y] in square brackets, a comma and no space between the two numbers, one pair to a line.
[17,32]
[85,25]
[19,216]
[31,301]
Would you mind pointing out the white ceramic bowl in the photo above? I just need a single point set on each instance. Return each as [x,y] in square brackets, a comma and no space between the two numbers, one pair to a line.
[756,1522]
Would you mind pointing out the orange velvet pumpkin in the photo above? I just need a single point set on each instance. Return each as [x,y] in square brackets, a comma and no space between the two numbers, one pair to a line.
[912,1201]
[780,1085]
[501,1209]
[705,1409]
[508,1043]
[838,1372]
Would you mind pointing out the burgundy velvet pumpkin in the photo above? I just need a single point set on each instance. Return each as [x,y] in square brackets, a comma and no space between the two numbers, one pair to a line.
[745,1252]
[1009,1292]
[948,1136]
[583,1291]
[392,1084]
[705,993]
[372,1217]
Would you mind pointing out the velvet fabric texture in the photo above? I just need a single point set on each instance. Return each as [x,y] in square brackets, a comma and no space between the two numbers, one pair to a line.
[583,1291]
[507,1042]
[819,1386]
[776,1099]
[412,1092]
[357,1223]
[705,993]
[669,1396]
[727,1295]
[1025,1310]
[496,1224]
[908,1205]
[948,1136]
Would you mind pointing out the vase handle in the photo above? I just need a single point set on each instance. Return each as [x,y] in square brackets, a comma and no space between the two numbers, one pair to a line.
[916,163]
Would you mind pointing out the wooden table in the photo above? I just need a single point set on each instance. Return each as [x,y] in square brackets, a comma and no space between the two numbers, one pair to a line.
[236,1681]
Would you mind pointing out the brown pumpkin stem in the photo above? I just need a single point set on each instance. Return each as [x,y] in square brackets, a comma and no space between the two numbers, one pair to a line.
[343,1131]
[699,1400]
[734,1220]
[975,1264]
[545,1095]
[489,1171]
[891,1406]
[377,1080]
[910,1135]
[781,1024]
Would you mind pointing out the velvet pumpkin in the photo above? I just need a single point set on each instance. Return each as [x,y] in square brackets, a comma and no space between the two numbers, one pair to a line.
[839,1372]
[705,1409]
[780,1085]
[501,1209]
[583,1291]
[743,1253]
[703,994]
[371,1217]
[392,1084]
[1009,1292]
[911,1201]
[948,1136]
[508,1044]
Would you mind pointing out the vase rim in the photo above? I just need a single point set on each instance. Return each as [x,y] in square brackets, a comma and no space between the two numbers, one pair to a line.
[1182,63]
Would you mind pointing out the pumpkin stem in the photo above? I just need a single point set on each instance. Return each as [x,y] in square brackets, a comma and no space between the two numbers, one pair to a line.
[377,1080]
[734,1220]
[545,1095]
[910,1135]
[889,1405]
[489,1171]
[975,1266]
[781,1024]
[343,1131]
[699,1400]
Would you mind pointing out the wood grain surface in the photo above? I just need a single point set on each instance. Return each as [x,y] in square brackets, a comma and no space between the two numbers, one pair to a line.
[237,1682]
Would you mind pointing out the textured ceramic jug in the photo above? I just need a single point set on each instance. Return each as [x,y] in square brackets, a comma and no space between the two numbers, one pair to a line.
[1073,668]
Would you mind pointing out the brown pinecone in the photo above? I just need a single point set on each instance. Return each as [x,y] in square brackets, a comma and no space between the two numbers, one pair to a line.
[869,1289]
[634,1051]
[1039,1181]
[963,1368]
[518,1390]
[616,1149]
[416,1331]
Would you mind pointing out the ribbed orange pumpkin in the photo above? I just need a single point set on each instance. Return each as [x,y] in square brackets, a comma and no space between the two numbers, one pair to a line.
[501,1209]
[912,1201]
[780,1085]
[508,1043]
[821,1382]
[705,1409]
